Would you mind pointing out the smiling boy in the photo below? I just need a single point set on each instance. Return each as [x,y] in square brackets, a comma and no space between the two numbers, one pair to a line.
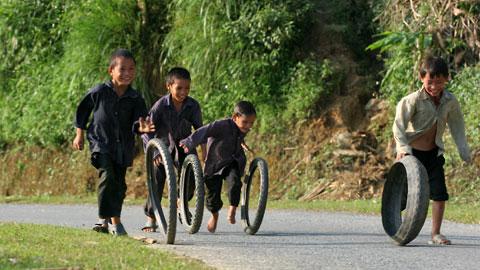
[420,122]
[115,106]
[171,119]
[225,158]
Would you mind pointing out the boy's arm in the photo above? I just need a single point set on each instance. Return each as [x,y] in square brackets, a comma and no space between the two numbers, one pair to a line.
[457,129]
[79,139]
[403,114]
[140,112]
[199,136]
[82,114]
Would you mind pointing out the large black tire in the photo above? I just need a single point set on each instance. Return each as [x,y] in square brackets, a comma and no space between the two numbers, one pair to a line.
[248,227]
[406,175]
[168,224]
[191,168]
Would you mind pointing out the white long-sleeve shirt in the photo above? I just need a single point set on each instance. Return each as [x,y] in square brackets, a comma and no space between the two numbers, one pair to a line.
[416,114]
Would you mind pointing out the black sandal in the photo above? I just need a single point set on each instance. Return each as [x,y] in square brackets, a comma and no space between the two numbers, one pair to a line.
[101,226]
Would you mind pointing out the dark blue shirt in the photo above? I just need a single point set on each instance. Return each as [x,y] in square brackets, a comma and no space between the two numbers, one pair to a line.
[172,126]
[110,130]
[224,145]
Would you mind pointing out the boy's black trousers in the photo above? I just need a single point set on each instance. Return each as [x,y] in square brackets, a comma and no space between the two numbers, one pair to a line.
[111,187]
[214,183]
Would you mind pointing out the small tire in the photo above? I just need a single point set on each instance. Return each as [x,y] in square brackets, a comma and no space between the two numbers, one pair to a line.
[191,167]
[168,225]
[248,227]
[406,175]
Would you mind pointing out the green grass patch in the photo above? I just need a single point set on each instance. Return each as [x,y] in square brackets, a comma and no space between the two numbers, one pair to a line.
[26,246]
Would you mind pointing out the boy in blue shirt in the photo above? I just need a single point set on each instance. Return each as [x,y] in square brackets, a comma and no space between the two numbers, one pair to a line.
[115,106]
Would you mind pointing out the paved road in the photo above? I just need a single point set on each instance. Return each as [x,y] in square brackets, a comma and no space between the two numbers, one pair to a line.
[286,240]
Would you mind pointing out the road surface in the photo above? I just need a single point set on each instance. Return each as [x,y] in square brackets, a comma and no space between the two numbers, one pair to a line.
[287,240]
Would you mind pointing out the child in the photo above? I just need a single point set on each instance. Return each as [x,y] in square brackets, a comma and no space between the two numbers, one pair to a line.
[172,117]
[225,158]
[420,121]
[115,106]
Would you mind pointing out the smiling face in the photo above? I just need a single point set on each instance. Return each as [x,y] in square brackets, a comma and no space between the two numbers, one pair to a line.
[179,89]
[434,85]
[122,72]
[244,122]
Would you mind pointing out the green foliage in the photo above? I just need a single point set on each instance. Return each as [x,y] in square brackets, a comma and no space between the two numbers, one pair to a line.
[466,87]
[236,50]
[309,84]
[56,55]
[404,51]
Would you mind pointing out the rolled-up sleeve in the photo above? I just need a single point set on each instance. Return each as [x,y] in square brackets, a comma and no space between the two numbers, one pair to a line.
[200,136]
[457,129]
[403,114]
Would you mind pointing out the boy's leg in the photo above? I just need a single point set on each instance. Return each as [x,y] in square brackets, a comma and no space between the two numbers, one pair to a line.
[213,188]
[119,192]
[234,184]
[439,195]
[148,208]
[107,177]
[438,190]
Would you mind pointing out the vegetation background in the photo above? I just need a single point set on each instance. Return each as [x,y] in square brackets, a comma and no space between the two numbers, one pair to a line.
[324,75]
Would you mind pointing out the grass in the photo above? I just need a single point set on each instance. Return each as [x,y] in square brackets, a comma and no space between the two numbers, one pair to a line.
[457,212]
[26,246]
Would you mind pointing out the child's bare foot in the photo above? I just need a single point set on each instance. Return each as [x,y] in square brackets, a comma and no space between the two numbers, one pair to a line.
[231,214]
[212,223]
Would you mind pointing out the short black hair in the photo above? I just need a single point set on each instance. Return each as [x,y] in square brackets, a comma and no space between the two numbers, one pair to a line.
[177,73]
[121,53]
[244,108]
[435,66]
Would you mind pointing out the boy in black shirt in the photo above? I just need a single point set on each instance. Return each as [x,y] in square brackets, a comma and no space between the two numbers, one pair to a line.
[171,119]
[115,106]
[225,158]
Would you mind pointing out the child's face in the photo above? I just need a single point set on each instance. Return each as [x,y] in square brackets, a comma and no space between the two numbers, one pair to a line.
[179,89]
[244,122]
[123,72]
[434,85]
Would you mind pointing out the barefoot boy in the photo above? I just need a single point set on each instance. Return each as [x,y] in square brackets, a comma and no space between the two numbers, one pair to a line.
[115,106]
[420,122]
[225,158]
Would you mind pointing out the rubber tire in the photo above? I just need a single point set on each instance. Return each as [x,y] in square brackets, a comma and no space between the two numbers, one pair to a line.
[191,164]
[252,228]
[167,227]
[408,170]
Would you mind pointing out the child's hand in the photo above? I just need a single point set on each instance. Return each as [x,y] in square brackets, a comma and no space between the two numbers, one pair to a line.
[185,148]
[157,160]
[78,143]
[246,148]
[146,126]
[400,156]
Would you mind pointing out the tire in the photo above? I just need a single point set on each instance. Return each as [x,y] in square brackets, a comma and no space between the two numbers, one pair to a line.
[407,175]
[252,228]
[167,224]
[191,168]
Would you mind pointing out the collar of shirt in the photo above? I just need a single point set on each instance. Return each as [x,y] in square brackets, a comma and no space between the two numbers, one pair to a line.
[129,93]
[444,98]
[238,132]
[186,103]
